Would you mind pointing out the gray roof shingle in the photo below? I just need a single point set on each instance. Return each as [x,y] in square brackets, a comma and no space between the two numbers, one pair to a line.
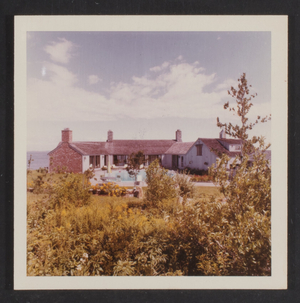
[149,147]
[179,148]
[123,147]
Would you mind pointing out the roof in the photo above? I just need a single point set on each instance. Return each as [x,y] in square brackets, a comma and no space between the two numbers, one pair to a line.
[121,147]
[231,141]
[216,146]
[89,148]
[149,147]
[179,148]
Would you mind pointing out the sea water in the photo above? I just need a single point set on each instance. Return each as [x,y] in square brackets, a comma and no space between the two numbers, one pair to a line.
[40,159]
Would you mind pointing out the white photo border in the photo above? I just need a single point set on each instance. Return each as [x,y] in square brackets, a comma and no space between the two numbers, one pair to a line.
[278,26]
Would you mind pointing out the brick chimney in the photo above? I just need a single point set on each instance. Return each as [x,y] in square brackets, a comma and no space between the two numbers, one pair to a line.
[178,135]
[222,134]
[66,135]
[110,136]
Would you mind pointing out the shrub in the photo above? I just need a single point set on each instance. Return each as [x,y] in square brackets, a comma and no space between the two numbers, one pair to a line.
[60,169]
[39,183]
[112,189]
[185,187]
[160,185]
[70,189]
[42,170]
[234,243]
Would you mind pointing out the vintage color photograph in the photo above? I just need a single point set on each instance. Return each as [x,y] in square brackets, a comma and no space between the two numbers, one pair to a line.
[149,153]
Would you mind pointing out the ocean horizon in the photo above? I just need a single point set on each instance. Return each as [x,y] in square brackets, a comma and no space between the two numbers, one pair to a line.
[40,159]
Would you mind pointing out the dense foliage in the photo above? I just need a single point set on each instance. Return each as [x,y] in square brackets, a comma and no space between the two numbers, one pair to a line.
[112,236]
[161,185]
[246,187]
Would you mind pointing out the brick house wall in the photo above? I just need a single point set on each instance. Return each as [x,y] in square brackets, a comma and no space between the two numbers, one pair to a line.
[65,156]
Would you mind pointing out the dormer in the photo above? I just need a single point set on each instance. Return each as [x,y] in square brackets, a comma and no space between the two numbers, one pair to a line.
[232,145]
[235,147]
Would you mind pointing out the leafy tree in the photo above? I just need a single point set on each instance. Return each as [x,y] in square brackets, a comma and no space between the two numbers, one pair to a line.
[243,99]
[243,245]
[134,163]
[259,174]
[160,185]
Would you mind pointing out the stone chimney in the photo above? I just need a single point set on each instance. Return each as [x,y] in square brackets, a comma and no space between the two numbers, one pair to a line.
[66,135]
[110,136]
[222,134]
[178,135]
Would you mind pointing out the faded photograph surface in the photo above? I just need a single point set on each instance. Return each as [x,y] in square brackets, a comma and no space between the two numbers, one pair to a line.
[139,178]
[149,154]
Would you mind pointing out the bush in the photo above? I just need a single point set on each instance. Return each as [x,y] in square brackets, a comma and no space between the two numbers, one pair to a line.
[161,186]
[112,189]
[235,244]
[185,187]
[42,170]
[70,189]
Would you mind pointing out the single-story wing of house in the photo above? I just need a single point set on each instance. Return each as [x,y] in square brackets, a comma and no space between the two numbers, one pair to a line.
[77,156]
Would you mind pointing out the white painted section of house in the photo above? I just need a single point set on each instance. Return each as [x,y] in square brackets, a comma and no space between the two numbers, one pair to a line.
[193,161]
[166,161]
[85,163]
[231,147]
[182,162]
[101,161]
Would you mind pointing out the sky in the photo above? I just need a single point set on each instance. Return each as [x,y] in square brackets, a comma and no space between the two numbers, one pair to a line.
[141,85]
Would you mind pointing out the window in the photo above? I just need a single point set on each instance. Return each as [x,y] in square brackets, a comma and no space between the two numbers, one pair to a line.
[182,161]
[92,160]
[95,161]
[237,147]
[119,160]
[199,149]
[152,158]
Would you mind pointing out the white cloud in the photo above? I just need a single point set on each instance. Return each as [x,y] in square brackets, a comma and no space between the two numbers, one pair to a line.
[59,75]
[93,79]
[177,91]
[160,68]
[61,51]
[227,84]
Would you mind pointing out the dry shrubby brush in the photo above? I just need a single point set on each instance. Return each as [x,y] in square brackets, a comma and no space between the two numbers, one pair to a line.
[71,232]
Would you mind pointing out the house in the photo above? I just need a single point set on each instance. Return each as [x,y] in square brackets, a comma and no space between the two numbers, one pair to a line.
[77,156]
[202,153]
